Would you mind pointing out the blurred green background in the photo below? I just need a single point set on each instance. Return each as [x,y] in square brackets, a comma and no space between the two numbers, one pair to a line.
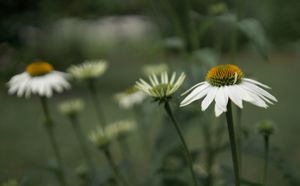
[261,36]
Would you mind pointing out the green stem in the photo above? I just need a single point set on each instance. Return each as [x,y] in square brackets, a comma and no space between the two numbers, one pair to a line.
[266,141]
[233,144]
[82,142]
[184,145]
[114,168]
[96,103]
[49,129]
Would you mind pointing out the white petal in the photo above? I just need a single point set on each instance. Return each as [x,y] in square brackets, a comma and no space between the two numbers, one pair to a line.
[256,100]
[256,82]
[259,90]
[196,94]
[234,95]
[173,78]
[221,99]
[209,98]
[193,87]
[218,110]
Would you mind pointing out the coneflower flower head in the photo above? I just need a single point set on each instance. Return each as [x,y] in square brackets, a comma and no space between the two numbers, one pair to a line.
[71,107]
[225,82]
[121,128]
[88,69]
[163,89]
[266,127]
[102,137]
[40,79]
[130,97]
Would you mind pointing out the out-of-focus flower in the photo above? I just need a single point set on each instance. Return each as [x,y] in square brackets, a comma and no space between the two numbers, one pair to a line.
[174,44]
[155,69]
[130,97]
[12,182]
[40,78]
[163,89]
[71,107]
[121,128]
[225,82]
[88,69]
[102,137]
[266,127]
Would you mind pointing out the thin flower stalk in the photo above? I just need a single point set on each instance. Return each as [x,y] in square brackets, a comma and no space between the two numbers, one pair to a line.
[233,145]
[119,177]
[266,159]
[266,128]
[96,102]
[184,144]
[82,142]
[50,131]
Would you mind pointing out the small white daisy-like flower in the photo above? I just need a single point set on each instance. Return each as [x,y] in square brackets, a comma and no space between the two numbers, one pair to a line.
[130,97]
[121,128]
[88,69]
[39,78]
[102,137]
[162,89]
[71,107]
[225,82]
[155,69]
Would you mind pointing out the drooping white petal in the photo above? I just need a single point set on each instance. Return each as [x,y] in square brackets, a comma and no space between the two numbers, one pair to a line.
[209,98]
[196,94]
[256,82]
[221,99]
[256,100]
[218,110]
[259,90]
[25,85]
[193,87]
[234,95]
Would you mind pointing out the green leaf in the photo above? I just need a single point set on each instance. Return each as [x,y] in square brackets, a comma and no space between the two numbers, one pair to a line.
[206,56]
[254,31]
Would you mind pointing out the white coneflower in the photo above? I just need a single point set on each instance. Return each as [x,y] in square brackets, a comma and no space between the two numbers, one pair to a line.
[71,107]
[39,78]
[155,69]
[88,69]
[121,128]
[226,82]
[163,89]
[130,97]
[102,137]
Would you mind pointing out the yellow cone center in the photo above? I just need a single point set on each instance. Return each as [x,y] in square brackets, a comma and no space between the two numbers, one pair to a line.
[223,75]
[39,68]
